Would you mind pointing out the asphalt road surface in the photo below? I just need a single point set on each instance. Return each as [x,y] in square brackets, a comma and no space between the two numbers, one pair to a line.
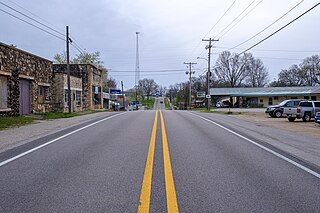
[157,161]
[159,103]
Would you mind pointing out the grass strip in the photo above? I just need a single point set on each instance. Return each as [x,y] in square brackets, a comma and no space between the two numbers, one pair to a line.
[10,122]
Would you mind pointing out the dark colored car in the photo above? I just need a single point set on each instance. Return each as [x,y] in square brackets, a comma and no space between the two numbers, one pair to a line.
[317,118]
[275,111]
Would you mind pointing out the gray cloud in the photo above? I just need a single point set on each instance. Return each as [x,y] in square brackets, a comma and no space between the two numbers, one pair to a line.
[171,32]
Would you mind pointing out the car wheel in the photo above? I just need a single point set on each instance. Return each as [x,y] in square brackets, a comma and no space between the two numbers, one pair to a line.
[291,119]
[278,114]
[306,117]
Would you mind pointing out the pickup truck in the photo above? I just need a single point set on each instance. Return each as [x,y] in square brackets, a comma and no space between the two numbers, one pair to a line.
[275,111]
[306,110]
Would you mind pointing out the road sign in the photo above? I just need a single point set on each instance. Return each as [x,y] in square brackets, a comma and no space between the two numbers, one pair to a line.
[115,91]
[201,94]
[208,96]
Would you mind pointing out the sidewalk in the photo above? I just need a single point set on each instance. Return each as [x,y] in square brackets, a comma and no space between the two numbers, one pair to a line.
[14,137]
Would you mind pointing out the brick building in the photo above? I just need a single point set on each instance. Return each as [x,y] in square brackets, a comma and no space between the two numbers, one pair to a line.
[25,82]
[85,85]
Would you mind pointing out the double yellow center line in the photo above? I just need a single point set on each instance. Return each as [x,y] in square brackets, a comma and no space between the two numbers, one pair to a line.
[172,204]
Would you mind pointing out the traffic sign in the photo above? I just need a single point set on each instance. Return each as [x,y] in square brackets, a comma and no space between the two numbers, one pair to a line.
[115,91]
[201,94]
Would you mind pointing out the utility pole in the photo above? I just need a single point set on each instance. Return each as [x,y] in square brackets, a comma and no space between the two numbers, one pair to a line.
[68,71]
[190,73]
[122,95]
[208,73]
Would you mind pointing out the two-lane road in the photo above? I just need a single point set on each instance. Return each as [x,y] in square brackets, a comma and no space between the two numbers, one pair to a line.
[158,162]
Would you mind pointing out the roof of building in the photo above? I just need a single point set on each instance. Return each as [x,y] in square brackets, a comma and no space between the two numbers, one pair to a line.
[265,91]
[23,51]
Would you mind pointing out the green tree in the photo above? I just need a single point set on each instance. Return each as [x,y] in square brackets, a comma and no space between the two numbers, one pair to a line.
[89,58]
[82,58]
[60,58]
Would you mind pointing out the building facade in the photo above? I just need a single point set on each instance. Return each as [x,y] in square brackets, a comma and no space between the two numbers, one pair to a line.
[265,96]
[85,86]
[25,82]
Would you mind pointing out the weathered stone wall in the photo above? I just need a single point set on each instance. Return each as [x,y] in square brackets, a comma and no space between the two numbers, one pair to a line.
[24,65]
[57,92]
[90,75]
[95,79]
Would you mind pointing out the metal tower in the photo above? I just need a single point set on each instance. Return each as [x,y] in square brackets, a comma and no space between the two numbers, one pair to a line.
[137,73]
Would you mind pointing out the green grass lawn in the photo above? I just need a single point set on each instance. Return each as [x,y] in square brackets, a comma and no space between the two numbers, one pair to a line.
[148,103]
[166,103]
[57,115]
[10,122]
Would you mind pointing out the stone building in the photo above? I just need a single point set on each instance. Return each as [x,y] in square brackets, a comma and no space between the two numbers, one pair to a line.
[85,85]
[25,82]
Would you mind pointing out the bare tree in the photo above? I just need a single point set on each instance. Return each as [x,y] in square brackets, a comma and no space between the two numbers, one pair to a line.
[257,74]
[294,76]
[147,87]
[311,66]
[231,69]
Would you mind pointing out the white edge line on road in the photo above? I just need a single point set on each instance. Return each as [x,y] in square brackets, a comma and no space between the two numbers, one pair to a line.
[54,140]
[262,147]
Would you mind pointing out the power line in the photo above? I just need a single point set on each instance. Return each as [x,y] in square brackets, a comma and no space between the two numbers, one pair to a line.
[272,50]
[220,18]
[77,46]
[280,29]
[156,74]
[193,50]
[267,26]
[36,15]
[240,19]
[32,19]
[150,71]
[33,25]
[74,43]
[234,19]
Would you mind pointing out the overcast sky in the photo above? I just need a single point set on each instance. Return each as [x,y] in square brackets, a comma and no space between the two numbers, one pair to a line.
[171,32]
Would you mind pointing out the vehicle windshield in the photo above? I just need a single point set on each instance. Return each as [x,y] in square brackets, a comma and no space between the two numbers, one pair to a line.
[282,103]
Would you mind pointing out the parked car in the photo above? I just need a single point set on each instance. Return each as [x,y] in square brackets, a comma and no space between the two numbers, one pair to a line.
[276,111]
[222,104]
[305,111]
[317,118]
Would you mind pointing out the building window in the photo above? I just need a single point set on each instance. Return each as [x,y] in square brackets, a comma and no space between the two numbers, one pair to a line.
[306,97]
[3,92]
[276,98]
[78,98]
[43,93]
[96,95]
[313,98]
[66,97]
[39,90]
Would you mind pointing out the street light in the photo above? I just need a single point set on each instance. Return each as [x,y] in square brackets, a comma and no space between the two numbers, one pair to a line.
[202,58]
